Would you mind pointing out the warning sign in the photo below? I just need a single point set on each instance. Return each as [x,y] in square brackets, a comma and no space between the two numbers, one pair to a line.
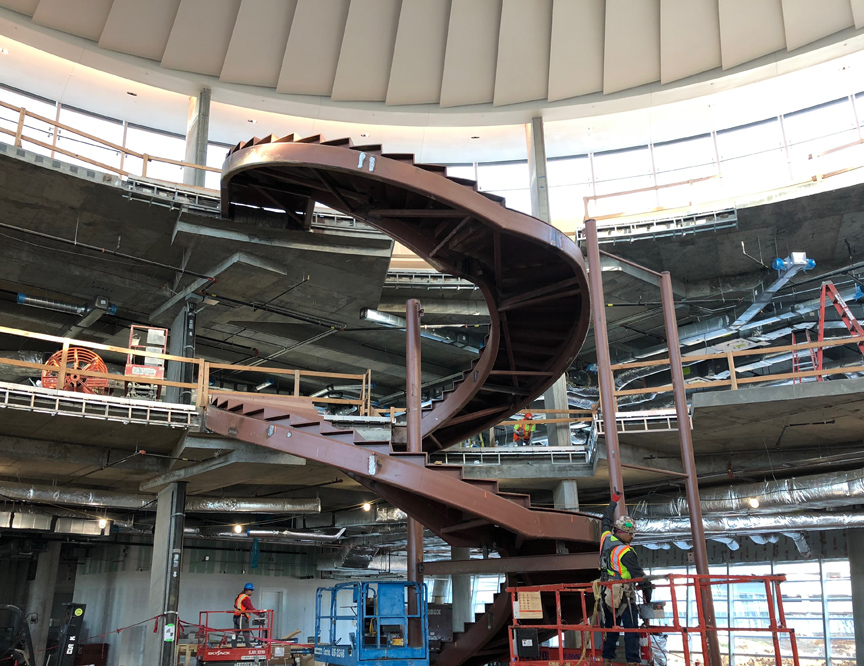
[529,606]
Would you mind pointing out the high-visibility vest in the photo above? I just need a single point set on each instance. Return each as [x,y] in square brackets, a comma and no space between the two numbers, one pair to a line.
[612,550]
[525,429]
[238,605]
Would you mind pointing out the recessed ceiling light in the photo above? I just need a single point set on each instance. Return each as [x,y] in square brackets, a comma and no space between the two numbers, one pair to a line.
[364,136]
[6,52]
[252,121]
[132,94]
[475,137]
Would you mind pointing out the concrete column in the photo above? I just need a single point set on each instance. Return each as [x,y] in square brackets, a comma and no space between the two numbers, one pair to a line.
[565,495]
[165,571]
[556,396]
[197,134]
[40,598]
[460,587]
[181,342]
[855,546]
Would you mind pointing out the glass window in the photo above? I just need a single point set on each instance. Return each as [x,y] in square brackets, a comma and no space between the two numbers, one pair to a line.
[500,177]
[688,159]
[462,171]
[35,129]
[620,164]
[484,591]
[568,171]
[108,130]
[516,199]
[749,139]
[156,144]
[216,154]
[838,601]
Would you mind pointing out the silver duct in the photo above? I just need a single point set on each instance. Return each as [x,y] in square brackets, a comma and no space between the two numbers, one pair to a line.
[114,500]
[665,529]
[820,491]
[49,304]
[353,388]
[274,536]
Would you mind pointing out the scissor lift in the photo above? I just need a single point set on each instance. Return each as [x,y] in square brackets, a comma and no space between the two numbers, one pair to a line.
[544,612]
[255,646]
[372,623]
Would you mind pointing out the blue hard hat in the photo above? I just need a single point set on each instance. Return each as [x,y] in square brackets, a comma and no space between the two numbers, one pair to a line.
[248,586]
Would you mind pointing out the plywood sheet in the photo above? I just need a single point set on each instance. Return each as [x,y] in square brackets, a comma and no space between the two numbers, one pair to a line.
[258,42]
[312,53]
[418,58]
[632,50]
[363,71]
[750,29]
[472,52]
[522,72]
[576,51]
[689,38]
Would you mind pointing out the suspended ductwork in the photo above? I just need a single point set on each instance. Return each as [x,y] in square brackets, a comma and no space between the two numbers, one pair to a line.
[113,500]
[270,536]
[820,491]
[662,529]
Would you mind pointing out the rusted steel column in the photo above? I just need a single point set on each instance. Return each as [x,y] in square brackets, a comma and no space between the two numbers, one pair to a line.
[604,363]
[700,551]
[414,415]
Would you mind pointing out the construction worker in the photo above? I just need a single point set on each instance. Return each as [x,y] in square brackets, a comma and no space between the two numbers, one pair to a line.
[243,610]
[524,431]
[618,561]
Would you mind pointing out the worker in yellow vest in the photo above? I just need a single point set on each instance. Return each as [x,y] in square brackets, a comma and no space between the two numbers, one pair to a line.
[243,609]
[524,431]
[618,561]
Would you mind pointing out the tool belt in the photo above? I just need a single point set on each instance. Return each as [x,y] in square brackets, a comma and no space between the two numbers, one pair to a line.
[619,596]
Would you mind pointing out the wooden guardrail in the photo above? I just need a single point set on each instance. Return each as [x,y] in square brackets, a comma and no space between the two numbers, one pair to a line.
[734,382]
[20,136]
[203,369]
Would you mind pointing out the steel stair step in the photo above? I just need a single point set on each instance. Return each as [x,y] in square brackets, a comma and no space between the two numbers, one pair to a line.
[420,459]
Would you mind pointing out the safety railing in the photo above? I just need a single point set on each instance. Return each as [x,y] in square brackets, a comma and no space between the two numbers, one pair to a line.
[20,136]
[735,382]
[201,388]
[590,612]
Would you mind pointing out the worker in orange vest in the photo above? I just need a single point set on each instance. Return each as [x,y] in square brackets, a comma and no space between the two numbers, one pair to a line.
[524,431]
[243,610]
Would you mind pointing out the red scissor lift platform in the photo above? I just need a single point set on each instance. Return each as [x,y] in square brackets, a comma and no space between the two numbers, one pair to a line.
[216,635]
[550,615]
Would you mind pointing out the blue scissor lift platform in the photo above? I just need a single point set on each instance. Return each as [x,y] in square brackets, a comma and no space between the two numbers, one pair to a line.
[372,623]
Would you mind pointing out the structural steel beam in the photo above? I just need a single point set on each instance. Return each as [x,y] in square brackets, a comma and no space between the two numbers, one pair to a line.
[536,563]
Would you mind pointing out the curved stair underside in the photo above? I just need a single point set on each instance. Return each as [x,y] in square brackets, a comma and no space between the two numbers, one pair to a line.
[534,282]
[531,275]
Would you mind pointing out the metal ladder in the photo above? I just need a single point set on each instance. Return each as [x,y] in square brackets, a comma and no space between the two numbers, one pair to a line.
[830,292]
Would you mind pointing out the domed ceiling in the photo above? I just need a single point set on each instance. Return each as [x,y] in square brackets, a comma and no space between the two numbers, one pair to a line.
[448,53]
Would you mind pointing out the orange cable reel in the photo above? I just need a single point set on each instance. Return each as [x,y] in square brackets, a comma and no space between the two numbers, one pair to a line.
[77,358]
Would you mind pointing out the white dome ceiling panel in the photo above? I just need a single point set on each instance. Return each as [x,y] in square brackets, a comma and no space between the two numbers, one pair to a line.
[524,41]
[858,12]
[750,29]
[200,36]
[85,18]
[139,28]
[806,21]
[363,72]
[258,42]
[21,6]
[689,38]
[472,52]
[418,58]
[312,53]
[632,53]
[576,51]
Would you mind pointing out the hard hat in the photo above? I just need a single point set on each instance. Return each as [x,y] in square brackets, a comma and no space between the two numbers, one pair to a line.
[529,415]
[249,586]
[625,524]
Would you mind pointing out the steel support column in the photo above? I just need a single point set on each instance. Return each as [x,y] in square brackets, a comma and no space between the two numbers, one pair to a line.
[414,414]
[700,551]
[855,546]
[605,378]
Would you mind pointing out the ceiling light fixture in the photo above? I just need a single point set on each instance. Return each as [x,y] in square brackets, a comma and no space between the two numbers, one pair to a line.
[364,136]
[753,502]
[131,93]
[382,318]
[367,506]
[475,137]
[4,51]
[238,529]
[251,121]
[103,523]
[263,385]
